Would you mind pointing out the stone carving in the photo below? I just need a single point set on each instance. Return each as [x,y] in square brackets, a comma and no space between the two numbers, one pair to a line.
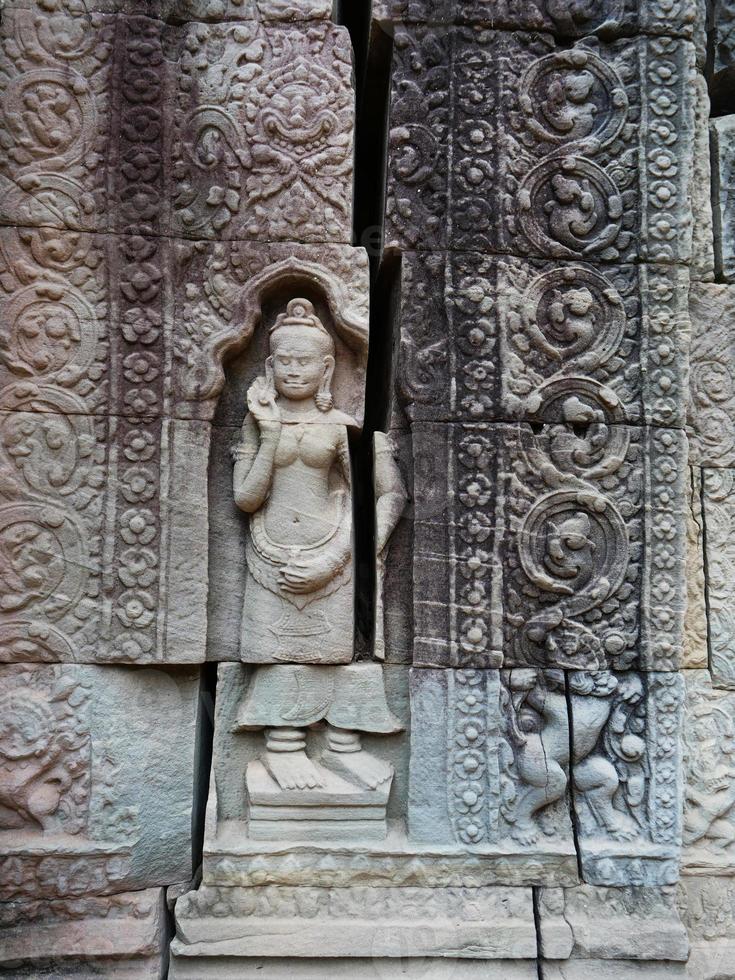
[635,763]
[390,501]
[711,417]
[707,907]
[565,18]
[592,923]
[80,812]
[292,474]
[695,653]
[86,935]
[561,503]
[723,203]
[709,793]
[357,921]
[264,137]
[520,331]
[561,126]
[498,746]
[717,487]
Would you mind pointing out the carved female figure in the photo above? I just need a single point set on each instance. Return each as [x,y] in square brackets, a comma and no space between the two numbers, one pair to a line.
[292,475]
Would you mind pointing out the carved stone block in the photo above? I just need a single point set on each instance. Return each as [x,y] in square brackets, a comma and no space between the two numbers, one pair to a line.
[564,19]
[588,526]
[582,179]
[627,776]
[368,921]
[93,539]
[92,800]
[240,130]
[709,791]
[633,923]
[491,339]
[695,653]
[707,907]
[719,511]
[490,764]
[57,102]
[79,936]
[268,154]
[722,132]
[703,234]
[711,417]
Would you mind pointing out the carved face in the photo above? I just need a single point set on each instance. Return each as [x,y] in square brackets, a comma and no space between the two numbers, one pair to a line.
[300,360]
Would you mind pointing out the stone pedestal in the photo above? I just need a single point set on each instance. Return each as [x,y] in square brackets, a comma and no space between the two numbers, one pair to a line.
[337,810]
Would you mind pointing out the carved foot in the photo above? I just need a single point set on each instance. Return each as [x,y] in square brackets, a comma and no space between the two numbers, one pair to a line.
[622,828]
[360,767]
[292,770]
[525,833]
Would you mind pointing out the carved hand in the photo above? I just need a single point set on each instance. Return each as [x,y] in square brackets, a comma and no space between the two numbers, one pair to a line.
[300,576]
[262,406]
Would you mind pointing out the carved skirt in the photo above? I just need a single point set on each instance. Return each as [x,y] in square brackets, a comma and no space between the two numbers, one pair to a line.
[316,628]
[351,697]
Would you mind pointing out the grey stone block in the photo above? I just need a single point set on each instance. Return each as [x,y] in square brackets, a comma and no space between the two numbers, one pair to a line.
[581,178]
[94,798]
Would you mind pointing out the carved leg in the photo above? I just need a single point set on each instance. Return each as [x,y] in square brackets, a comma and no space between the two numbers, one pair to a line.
[346,757]
[545,782]
[597,779]
[286,760]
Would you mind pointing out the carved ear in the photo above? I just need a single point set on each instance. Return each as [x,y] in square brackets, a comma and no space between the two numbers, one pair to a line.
[269,379]
[324,401]
[326,384]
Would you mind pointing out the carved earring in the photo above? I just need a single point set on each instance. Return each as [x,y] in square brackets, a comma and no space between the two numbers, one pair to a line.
[269,379]
[323,397]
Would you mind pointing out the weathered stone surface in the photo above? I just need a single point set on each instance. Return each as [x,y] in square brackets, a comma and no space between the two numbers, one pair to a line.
[610,970]
[565,18]
[718,508]
[127,494]
[711,417]
[490,761]
[92,799]
[79,936]
[628,800]
[484,338]
[723,20]
[587,923]
[254,142]
[709,792]
[592,563]
[722,132]
[489,924]
[703,247]
[191,10]
[233,859]
[581,177]
[695,653]
[359,968]
[707,907]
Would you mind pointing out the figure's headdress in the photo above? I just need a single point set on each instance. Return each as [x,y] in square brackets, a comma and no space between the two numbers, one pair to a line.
[300,313]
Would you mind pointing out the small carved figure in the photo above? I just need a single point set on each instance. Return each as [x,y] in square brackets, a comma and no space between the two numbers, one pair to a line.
[709,812]
[34,766]
[540,729]
[566,107]
[292,475]
[571,315]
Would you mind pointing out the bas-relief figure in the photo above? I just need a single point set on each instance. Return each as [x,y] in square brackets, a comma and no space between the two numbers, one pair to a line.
[292,475]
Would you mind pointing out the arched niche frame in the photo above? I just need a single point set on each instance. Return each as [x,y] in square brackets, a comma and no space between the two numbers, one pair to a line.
[237,315]
[243,310]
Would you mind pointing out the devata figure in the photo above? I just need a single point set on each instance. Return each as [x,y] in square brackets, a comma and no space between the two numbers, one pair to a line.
[292,475]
